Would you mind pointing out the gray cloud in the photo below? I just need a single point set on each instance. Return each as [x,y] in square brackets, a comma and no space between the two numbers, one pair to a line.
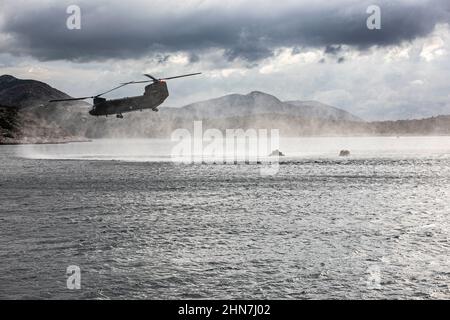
[333,49]
[137,28]
[247,31]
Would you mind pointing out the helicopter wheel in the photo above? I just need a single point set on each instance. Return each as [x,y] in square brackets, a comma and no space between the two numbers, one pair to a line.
[119,116]
[155,109]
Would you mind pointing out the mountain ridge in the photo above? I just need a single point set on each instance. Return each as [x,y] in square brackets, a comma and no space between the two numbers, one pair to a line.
[26,92]
[257,102]
[31,93]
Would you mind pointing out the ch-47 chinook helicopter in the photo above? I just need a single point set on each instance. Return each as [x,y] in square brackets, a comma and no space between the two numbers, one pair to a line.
[154,95]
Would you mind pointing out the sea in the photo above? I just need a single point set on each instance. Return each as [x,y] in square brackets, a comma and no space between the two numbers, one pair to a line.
[120,219]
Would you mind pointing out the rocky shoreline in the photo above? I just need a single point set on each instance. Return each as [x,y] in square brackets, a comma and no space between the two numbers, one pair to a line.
[21,127]
[27,141]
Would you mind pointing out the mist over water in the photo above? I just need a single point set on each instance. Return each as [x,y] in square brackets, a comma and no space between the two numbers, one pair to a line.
[371,225]
[145,150]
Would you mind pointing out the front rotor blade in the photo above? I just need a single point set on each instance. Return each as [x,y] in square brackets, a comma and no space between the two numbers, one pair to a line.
[71,99]
[184,75]
[115,88]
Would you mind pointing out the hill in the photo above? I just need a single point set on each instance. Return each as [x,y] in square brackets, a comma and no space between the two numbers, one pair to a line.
[316,109]
[26,93]
[23,119]
[255,103]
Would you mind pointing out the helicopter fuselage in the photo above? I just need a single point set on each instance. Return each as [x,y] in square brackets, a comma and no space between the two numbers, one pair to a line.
[154,95]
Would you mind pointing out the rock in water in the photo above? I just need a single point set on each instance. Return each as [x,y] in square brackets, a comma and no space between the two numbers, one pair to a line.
[276,153]
[344,153]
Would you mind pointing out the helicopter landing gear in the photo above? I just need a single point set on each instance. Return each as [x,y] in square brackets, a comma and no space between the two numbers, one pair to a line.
[119,116]
[155,109]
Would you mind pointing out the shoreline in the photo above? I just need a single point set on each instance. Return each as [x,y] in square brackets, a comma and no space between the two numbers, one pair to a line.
[17,143]
[85,140]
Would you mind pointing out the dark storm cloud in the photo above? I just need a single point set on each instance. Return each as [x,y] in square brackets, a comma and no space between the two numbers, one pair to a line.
[161,59]
[125,30]
[333,49]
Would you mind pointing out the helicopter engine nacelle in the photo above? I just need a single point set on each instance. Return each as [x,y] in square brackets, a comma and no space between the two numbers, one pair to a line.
[98,100]
[157,90]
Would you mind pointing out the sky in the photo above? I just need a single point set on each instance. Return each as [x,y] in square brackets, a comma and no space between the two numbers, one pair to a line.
[295,50]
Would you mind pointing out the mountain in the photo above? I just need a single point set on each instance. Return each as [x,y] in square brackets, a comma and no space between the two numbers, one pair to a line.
[256,103]
[31,93]
[26,116]
[26,93]
[315,109]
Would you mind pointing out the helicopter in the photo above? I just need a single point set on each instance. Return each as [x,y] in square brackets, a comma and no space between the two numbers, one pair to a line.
[154,95]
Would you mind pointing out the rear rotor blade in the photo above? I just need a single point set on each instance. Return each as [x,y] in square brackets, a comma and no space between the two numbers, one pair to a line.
[133,82]
[184,75]
[151,77]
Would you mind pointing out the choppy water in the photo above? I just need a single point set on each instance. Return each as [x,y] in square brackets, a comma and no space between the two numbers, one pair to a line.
[374,225]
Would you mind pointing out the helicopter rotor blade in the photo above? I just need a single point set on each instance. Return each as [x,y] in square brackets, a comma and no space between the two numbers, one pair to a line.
[133,82]
[151,77]
[125,84]
[71,99]
[91,97]
[115,88]
[161,79]
[184,75]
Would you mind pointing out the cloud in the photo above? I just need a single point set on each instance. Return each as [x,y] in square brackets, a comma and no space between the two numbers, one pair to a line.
[432,48]
[333,49]
[246,30]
